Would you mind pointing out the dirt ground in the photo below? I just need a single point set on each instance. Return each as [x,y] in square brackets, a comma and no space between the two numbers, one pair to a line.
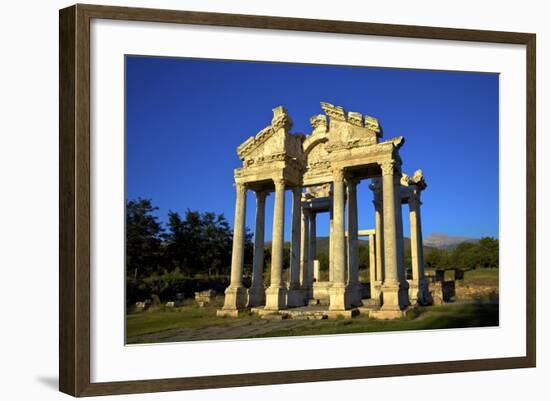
[237,329]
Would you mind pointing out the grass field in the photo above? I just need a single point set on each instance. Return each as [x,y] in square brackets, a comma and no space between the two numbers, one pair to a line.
[193,323]
[189,322]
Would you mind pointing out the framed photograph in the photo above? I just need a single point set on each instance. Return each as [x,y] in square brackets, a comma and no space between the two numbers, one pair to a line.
[250,200]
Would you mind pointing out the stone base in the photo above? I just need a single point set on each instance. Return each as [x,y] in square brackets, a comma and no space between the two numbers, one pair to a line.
[295,298]
[376,290]
[340,299]
[231,312]
[394,296]
[346,314]
[355,294]
[387,314]
[256,296]
[235,298]
[419,293]
[275,298]
[371,303]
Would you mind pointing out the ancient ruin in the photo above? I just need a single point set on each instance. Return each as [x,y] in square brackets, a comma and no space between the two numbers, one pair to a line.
[322,170]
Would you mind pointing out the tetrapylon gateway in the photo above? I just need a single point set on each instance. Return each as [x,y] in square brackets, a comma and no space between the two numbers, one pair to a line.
[323,169]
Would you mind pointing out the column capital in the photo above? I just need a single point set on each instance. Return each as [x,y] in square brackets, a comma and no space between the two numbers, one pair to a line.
[338,174]
[390,167]
[279,182]
[261,195]
[414,201]
[240,186]
[351,183]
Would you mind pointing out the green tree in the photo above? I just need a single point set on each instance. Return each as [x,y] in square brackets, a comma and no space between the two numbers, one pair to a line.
[437,258]
[488,252]
[143,238]
[465,256]
[201,243]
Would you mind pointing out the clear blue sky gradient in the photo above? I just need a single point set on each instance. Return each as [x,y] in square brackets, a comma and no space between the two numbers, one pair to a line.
[186,117]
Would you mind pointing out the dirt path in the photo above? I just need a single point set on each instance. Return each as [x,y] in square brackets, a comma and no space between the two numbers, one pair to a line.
[238,329]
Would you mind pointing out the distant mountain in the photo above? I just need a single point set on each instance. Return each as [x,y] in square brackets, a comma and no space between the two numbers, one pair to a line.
[323,243]
[444,241]
[435,240]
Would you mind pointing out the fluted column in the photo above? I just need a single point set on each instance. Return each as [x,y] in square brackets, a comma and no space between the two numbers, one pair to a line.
[295,295]
[353,243]
[236,294]
[276,293]
[394,296]
[256,292]
[338,291]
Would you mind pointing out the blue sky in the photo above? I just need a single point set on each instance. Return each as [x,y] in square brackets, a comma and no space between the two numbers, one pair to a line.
[186,117]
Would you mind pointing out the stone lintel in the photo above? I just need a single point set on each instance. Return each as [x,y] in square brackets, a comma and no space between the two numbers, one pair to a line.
[366,233]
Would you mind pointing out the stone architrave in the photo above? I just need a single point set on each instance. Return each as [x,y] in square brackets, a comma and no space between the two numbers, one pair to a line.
[236,294]
[256,292]
[295,296]
[277,291]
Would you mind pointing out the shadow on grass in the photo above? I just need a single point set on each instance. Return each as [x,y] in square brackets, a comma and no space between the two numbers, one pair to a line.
[428,318]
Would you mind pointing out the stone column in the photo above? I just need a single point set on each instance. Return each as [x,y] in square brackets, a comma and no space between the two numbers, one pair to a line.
[236,294]
[372,261]
[304,248]
[276,293]
[418,290]
[256,292]
[399,227]
[379,230]
[339,297]
[376,187]
[295,295]
[353,244]
[394,293]
[312,251]
[331,247]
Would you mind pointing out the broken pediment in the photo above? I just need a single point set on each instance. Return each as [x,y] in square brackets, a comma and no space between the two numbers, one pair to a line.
[349,129]
[273,143]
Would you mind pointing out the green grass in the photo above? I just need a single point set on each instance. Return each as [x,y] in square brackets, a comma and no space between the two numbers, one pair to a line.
[435,317]
[188,316]
[482,276]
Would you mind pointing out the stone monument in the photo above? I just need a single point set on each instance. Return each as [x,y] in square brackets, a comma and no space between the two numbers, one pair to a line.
[322,170]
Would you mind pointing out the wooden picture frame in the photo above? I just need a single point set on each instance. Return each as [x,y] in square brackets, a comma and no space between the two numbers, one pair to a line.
[74,204]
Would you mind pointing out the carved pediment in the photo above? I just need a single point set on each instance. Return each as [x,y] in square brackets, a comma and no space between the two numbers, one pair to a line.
[273,142]
[350,129]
